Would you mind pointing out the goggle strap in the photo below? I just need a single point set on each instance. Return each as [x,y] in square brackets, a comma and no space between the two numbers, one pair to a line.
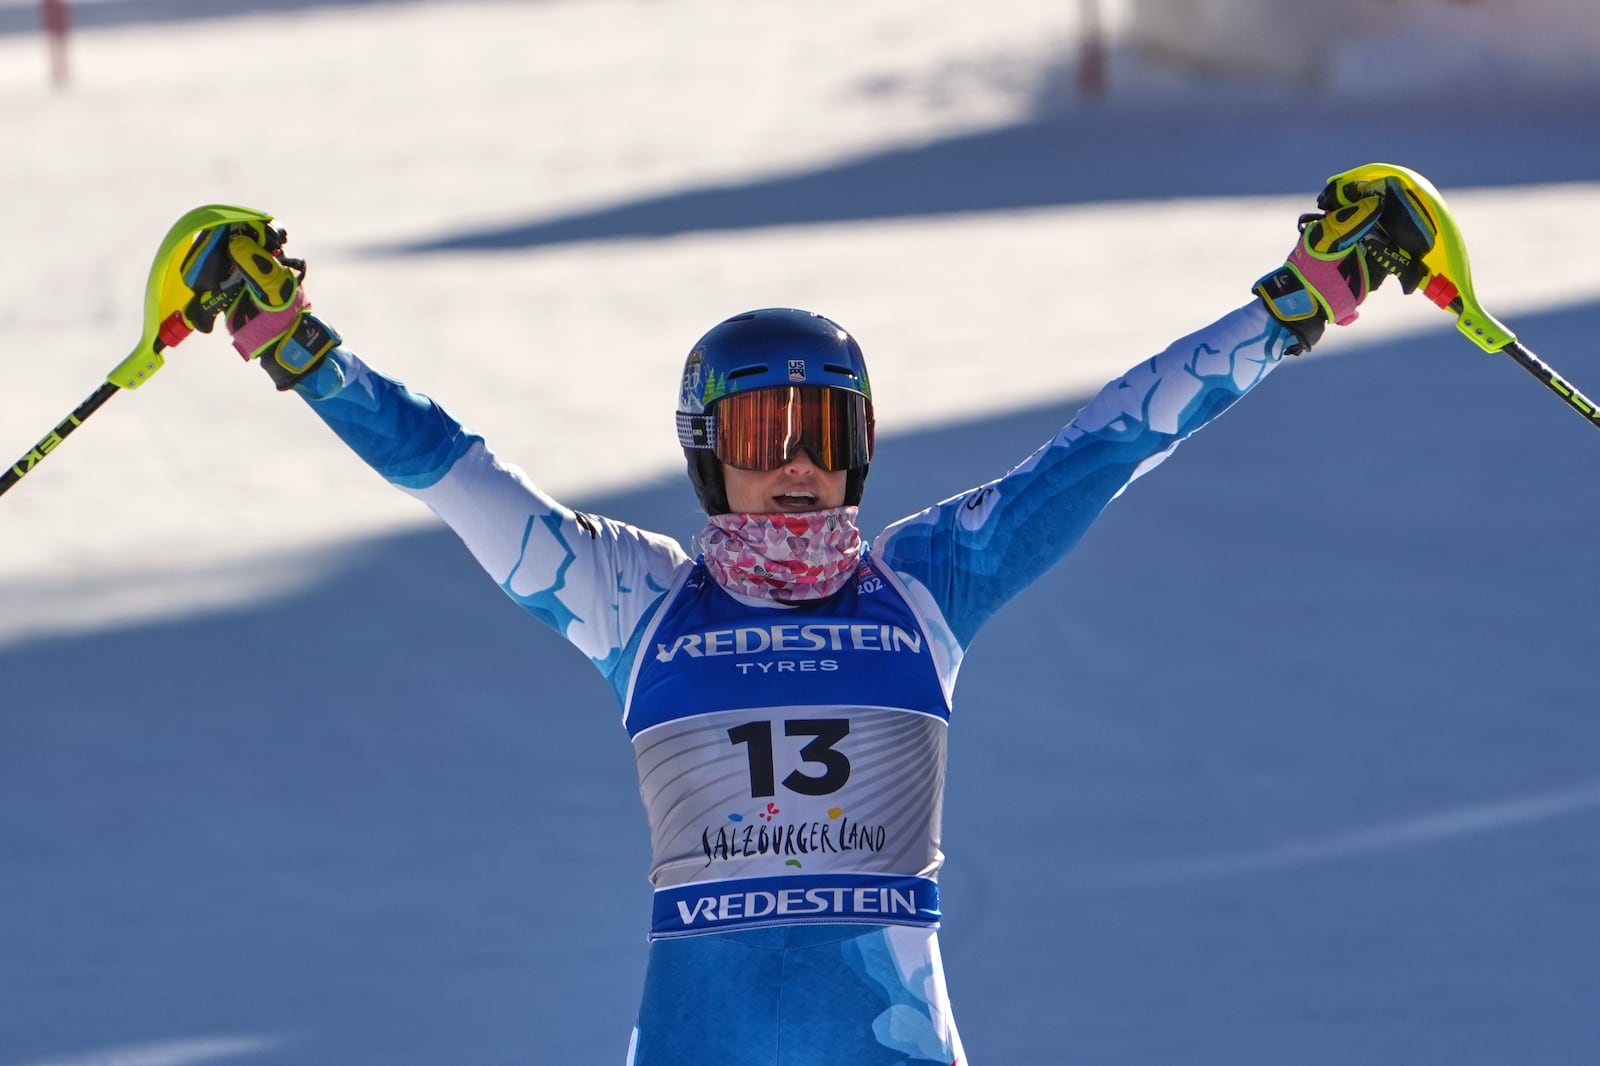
[697,431]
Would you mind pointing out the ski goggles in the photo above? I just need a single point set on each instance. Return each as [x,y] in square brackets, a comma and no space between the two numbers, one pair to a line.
[762,428]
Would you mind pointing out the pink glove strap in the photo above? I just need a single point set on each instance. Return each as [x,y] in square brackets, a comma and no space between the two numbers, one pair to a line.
[268,326]
[1328,279]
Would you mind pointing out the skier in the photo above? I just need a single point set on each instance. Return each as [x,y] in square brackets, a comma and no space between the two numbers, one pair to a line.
[787,690]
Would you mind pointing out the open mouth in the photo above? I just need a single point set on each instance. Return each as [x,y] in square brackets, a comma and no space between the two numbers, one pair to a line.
[796,501]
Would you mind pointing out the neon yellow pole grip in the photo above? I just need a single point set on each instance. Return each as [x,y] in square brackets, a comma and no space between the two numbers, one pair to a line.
[166,295]
[1449,272]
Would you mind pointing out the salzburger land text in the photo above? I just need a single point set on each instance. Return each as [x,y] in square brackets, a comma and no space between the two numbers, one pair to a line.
[802,838]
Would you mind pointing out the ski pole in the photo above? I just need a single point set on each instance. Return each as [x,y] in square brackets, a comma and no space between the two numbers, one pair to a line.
[1557,384]
[24,466]
[166,299]
[1443,292]
[1446,279]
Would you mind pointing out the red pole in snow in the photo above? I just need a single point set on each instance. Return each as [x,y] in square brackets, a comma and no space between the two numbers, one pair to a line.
[56,20]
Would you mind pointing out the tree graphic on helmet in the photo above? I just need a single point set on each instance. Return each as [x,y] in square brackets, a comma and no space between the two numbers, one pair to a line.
[716,387]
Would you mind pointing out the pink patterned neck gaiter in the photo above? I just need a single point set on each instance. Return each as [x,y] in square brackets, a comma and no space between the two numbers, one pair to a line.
[786,557]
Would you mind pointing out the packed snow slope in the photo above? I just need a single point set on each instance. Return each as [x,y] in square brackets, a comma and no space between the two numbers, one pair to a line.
[1294,759]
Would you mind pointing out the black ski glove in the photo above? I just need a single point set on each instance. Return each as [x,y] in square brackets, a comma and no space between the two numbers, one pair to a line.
[1364,232]
[241,268]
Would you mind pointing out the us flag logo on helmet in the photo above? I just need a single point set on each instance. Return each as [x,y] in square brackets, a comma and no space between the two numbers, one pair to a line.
[797,370]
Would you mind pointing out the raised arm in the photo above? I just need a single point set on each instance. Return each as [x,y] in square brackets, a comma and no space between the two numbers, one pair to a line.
[973,552]
[967,556]
[591,579]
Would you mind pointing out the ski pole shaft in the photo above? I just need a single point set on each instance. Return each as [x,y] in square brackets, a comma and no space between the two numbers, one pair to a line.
[24,466]
[1443,292]
[175,328]
[1554,381]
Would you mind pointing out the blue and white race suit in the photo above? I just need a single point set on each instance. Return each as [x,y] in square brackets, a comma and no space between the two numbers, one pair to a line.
[791,758]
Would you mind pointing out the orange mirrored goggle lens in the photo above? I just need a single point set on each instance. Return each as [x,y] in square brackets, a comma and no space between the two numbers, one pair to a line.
[761,429]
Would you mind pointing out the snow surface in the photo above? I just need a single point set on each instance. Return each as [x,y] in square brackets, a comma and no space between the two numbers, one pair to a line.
[1295,759]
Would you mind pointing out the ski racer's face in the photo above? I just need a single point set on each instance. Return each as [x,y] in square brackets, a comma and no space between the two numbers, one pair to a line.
[798,485]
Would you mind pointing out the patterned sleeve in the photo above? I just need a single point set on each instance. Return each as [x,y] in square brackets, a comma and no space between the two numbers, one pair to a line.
[591,579]
[967,556]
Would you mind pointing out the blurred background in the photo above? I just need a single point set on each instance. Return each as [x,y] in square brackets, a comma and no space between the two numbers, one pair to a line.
[1295,758]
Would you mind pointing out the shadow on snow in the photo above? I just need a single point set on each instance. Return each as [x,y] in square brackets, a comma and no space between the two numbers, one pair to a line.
[1069,155]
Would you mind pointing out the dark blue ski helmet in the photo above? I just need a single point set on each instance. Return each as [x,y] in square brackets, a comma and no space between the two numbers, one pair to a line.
[773,346]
